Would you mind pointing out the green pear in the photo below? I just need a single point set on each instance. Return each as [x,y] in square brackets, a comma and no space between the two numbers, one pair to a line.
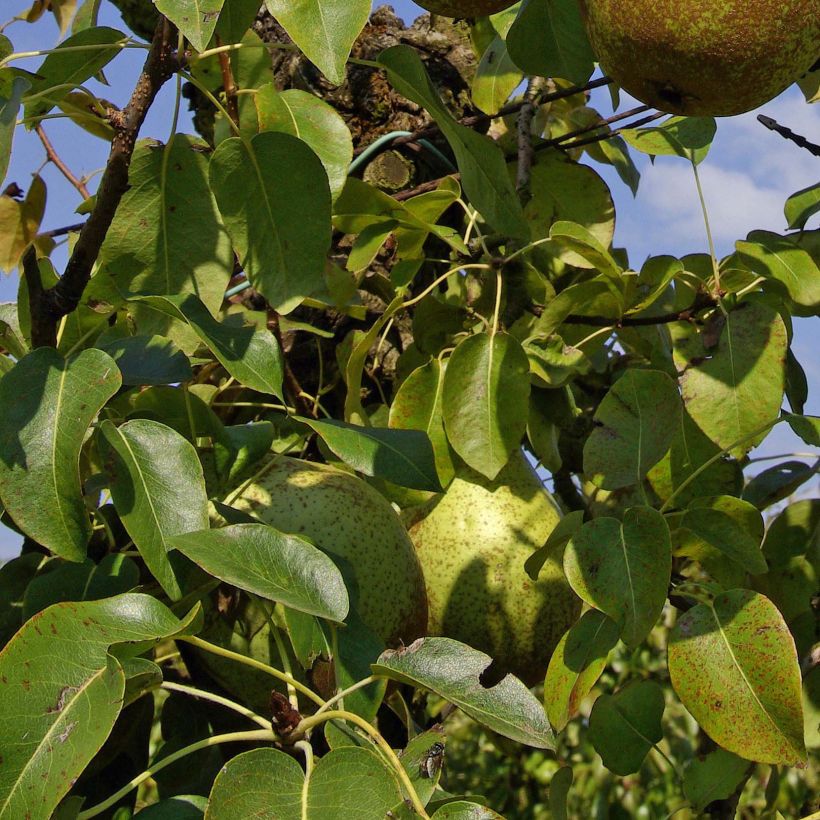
[465,8]
[472,542]
[348,519]
[705,57]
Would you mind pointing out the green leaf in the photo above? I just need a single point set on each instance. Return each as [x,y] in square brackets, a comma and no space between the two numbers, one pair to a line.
[623,569]
[776,257]
[15,576]
[148,360]
[548,39]
[270,563]
[236,18]
[496,77]
[237,450]
[456,672]
[251,356]
[800,206]
[480,161]
[67,67]
[158,489]
[167,236]
[465,810]
[714,777]
[61,691]
[269,783]
[60,580]
[732,389]
[634,427]
[46,406]
[10,101]
[486,391]
[688,137]
[623,727]
[274,196]
[566,527]
[19,223]
[559,789]
[576,664]
[585,243]
[807,427]
[734,666]
[310,119]
[404,457]
[179,807]
[567,192]
[324,30]
[418,406]
[195,19]
[422,759]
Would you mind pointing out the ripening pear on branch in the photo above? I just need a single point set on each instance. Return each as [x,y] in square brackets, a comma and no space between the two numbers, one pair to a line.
[713,58]
[465,8]
[472,542]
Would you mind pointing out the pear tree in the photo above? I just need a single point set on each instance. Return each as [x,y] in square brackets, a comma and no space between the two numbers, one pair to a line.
[280,403]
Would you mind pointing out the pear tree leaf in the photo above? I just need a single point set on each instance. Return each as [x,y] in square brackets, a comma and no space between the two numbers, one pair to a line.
[61,691]
[251,356]
[69,66]
[634,427]
[141,676]
[576,664]
[456,673]
[734,666]
[559,789]
[310,119]
[800,206]
[237,449]
[269,783]
[485,400]
[422,759]
[582,241]
[262,560]
[548,39]
[236,18]
[146,360]
[566,527]
[274,197]
[19,223]
[179,807]
[15,576]
[714,777]
[465,810]
[418,406]
[404,457]
[732,389]
[623,569]
[806,427]
[195,19]
[46,406]
[324,30]
[495,78]
[687,137]
[158,489]
[480,161]
[624,727]
[10,101]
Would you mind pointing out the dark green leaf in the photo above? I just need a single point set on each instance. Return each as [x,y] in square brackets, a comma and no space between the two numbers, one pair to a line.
[559,789]
[181,807]
[158,489]
[582,242]
[807,427]
[238,449]
[624,727]
[274,197]
[455,672]
[634,427]
[61,691]
[485,400]
[148,360]
[195,19]
[10,100]
[623,569]
[46,406]
[404,457]
[277,566]
[689,137]
[564,530]
[714,777]
[481,162]
[15,576]
[800,206]
[734,666]
[251,356]
[576,664]
[422,759]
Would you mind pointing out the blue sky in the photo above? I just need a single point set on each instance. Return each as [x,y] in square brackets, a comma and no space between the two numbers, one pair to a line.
[747,178]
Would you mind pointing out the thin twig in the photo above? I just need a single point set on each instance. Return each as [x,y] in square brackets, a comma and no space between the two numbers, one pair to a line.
[54,159]
[579,132]
[787,133]
[228,83]
[610,134]
[55,233]
[292,385]
[63,298]
[526,152]
[701,303]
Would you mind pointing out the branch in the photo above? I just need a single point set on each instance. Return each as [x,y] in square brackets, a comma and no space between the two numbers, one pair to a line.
[228,83]
[63,298]
[700,303]
[526,152]
[787,133]
[54,158]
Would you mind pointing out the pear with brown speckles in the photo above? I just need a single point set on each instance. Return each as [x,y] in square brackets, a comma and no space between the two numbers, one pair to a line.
[465,8]
[704,57]
[472,542]
[344,516]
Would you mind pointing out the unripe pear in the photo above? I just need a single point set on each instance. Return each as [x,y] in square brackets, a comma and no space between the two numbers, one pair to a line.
[348,519]
[472,542]
[704,57]
[465,8]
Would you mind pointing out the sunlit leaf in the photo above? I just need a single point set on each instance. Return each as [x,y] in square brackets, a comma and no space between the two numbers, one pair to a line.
[195,19]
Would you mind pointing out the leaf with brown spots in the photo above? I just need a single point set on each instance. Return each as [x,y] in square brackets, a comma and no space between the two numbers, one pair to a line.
[734,666]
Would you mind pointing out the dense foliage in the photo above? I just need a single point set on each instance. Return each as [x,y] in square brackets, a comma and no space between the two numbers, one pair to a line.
[268,435]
